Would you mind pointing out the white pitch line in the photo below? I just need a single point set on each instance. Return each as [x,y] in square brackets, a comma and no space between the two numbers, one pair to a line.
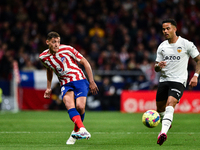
[7,132]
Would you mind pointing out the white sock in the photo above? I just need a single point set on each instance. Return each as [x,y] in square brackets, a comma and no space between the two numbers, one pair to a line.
[161,115]
[167,119]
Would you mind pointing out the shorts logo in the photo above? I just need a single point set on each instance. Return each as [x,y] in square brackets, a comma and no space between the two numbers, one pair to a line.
[179,49]
[79,93]
[178,94]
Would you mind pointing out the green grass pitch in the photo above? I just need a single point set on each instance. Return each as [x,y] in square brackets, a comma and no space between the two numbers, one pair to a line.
[49,130]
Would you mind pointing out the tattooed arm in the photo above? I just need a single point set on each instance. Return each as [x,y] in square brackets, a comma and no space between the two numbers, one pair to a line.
[194,80]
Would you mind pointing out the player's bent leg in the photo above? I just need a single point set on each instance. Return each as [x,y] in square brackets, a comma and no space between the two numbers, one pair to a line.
[68,100]
[161,108]
[82,133]
[161,118]
[71,140]
[167,120]
[76,129]
[168,117]
[80,104]
[80,107]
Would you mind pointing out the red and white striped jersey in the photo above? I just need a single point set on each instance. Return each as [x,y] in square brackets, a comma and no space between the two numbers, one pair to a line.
[64,63]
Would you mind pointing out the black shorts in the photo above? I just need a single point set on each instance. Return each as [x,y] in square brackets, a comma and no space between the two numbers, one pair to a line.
[168,88]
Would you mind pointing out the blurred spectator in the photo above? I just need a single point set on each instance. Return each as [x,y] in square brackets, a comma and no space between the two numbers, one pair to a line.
[107,94]
[6,65]
[140,84]
[96,31]
[28,66]
[123,55]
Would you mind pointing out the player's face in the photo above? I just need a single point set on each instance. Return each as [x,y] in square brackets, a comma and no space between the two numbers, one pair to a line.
[53,44]
[168,30]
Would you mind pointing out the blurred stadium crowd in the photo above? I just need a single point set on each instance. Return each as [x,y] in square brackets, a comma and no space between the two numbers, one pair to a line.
[111,34]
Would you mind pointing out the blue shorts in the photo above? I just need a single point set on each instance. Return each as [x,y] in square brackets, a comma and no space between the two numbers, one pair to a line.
[80,88]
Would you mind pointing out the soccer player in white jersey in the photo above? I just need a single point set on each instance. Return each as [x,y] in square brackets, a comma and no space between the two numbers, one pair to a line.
[172,61]
[62,60]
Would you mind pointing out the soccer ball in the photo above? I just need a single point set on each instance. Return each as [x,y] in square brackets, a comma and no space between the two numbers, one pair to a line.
[151,118]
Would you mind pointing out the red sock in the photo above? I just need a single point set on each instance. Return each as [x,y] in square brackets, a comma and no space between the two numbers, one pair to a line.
[78,123]
[76,128]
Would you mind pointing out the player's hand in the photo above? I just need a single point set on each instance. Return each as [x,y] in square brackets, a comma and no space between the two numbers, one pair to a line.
[47,93]
[93,88]
[193,81]
[162,64]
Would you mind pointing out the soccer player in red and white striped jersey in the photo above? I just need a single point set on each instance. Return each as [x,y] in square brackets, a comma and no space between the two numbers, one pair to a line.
[62,60]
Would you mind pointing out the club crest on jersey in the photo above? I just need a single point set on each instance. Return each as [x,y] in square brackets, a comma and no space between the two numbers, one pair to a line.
[179,49]
[63,59]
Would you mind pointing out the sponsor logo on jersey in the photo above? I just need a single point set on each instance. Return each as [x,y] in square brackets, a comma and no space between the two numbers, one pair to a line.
[179,49]
[172,58]
[59,69]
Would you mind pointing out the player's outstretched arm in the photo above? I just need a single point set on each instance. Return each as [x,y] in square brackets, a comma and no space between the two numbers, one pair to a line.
[47,93]
[93,87]
[194,80]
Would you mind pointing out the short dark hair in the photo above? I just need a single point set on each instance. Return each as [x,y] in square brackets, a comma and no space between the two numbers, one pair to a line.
[172,21]
[52,35]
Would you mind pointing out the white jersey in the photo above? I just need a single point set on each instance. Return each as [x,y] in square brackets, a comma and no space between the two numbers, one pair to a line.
[176,56]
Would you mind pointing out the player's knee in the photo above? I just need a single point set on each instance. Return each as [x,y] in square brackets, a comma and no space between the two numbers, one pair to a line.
[80,108]
[172,102]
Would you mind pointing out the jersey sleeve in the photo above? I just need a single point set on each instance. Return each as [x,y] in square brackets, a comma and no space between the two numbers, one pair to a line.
[45,65]
[41,58]
[76,55]
[192,49]
[159,56]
